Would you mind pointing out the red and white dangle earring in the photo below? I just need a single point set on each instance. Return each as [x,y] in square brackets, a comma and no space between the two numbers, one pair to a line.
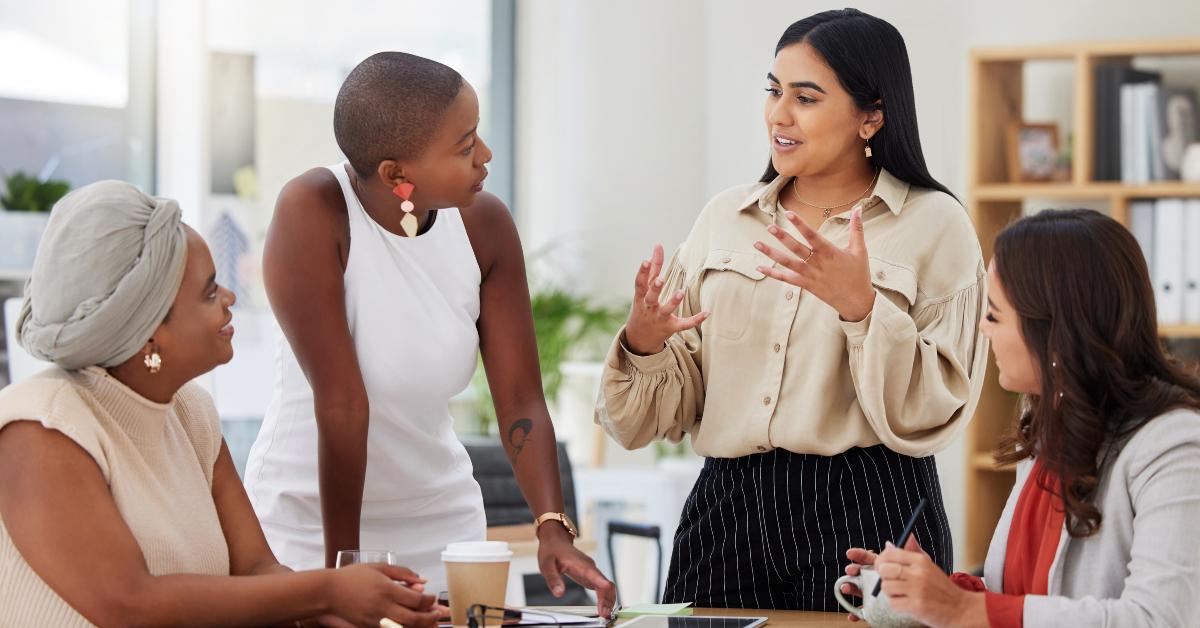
[409,222]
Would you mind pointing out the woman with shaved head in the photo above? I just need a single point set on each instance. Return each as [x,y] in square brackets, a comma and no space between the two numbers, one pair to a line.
[389,273]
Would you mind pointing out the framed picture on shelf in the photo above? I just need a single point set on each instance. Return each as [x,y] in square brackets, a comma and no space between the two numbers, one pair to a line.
[1032,151]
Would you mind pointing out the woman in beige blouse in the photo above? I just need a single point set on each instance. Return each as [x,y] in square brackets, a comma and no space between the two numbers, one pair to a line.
[119,502]
[820,373]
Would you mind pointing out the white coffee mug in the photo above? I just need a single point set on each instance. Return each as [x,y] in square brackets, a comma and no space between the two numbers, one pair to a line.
[876,609]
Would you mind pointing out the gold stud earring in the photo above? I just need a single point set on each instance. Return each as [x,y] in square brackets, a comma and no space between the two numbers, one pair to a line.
[153,362]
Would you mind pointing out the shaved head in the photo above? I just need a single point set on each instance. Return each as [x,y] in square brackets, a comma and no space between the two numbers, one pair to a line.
[390,106]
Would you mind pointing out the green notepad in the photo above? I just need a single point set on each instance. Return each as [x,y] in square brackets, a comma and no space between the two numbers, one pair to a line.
[678,610]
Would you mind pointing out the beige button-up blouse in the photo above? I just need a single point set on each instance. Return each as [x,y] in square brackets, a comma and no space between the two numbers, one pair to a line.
[774,366]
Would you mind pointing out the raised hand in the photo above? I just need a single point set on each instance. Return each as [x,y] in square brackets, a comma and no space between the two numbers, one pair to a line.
[839,277]
[652,321]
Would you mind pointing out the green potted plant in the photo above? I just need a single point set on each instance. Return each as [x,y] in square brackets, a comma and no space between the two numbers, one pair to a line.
[568,326]
[26,202]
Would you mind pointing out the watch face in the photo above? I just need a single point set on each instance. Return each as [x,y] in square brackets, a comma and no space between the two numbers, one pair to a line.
[570,525]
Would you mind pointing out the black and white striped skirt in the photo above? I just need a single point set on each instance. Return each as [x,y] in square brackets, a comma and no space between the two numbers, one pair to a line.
[771,530]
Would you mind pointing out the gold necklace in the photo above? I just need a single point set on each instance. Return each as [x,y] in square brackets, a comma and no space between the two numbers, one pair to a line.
[829,208]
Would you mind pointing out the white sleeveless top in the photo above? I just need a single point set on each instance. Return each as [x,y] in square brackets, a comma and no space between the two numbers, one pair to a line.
[411,304]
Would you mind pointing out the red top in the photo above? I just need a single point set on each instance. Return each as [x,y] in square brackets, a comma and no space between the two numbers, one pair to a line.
[1032,544]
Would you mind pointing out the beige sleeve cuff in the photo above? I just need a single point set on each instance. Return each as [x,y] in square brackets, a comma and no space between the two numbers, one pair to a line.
[653,363]
[885,313]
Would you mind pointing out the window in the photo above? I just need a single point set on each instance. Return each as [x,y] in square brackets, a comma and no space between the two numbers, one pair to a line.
[72,106]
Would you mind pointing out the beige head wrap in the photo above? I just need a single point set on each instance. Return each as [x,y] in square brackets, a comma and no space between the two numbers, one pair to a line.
[107,270]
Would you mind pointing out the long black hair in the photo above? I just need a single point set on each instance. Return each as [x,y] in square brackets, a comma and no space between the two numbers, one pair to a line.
[870,60]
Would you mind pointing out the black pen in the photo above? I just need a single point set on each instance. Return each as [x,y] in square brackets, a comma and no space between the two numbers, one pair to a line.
[908,528]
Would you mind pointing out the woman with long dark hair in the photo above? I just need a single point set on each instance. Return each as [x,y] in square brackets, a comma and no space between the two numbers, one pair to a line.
[1100,526]
[817,377]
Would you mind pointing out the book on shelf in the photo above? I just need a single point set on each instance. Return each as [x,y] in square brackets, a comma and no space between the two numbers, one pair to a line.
[1141,135]
[1157,123]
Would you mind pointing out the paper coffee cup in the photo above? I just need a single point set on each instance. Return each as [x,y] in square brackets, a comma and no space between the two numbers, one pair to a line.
[477,573]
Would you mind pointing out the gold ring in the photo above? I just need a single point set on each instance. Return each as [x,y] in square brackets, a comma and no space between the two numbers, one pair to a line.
[811,252]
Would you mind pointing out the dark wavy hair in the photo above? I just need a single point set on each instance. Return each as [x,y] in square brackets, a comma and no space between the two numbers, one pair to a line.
[870,60]
[1081,289]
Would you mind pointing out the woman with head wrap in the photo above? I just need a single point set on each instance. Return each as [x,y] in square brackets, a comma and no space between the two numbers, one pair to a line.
[119,502]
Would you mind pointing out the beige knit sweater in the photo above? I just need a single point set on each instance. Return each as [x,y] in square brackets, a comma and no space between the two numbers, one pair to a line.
[158,462]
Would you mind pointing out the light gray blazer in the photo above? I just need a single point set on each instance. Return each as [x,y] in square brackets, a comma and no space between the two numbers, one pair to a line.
[1142,568]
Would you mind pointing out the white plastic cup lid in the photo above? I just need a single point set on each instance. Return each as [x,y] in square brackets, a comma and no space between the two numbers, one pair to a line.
[477,552]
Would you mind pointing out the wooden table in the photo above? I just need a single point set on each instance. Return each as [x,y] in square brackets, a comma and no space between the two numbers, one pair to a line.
[806,619]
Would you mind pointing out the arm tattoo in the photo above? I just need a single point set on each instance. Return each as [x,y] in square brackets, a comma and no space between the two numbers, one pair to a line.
[519,435]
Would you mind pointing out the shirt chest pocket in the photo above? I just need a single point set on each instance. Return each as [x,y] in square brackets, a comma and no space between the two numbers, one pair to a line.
[729,283]
[894,281]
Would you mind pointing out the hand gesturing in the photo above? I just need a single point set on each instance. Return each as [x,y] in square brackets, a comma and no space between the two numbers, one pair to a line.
[839,277]
[652,321]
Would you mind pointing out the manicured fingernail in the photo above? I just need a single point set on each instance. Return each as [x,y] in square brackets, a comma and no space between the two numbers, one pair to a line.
[888,545]
[645,265]
[773,230]
[758,245]
[658,283]
[790,215]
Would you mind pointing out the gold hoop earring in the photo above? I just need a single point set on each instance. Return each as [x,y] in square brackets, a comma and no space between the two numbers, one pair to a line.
[153,362]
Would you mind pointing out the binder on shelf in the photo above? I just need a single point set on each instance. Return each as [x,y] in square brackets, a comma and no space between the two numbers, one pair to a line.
[1168,260]
[1191,262]
[1107,124]
[1128,140]
[1151,110]
[1141,223]
[1140,133]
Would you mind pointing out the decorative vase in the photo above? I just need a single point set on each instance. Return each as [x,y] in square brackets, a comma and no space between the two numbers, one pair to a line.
[1189,169]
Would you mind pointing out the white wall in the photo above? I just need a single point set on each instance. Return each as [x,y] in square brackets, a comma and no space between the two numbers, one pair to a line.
[610,132]
[632,114]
